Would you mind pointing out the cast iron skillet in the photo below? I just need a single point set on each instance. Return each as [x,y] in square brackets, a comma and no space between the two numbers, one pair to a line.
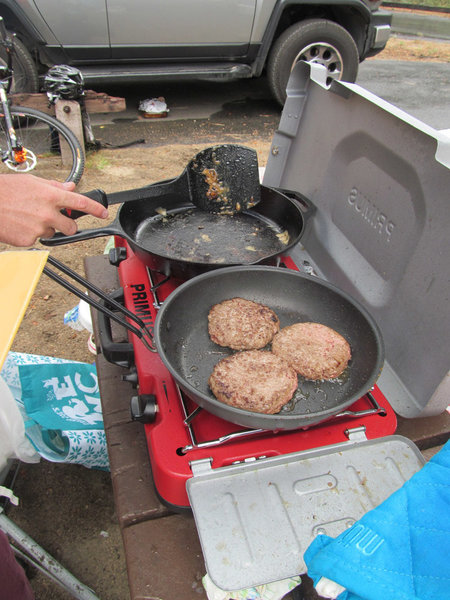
[182,340]
[169,234]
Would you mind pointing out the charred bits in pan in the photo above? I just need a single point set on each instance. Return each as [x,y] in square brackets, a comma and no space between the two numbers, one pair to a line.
[217,192]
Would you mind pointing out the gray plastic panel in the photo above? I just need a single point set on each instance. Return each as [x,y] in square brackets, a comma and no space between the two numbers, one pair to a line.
[255,520]
[380,181]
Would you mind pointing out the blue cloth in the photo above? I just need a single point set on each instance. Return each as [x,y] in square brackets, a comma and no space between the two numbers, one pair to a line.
[399,550]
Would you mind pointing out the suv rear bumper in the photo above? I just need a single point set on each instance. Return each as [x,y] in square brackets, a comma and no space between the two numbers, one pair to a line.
[382,34]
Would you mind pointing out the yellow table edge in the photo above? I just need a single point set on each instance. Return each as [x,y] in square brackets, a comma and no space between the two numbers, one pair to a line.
[20,271]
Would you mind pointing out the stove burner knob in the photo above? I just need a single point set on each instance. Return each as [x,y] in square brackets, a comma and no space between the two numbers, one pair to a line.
[143,408]
[131,377]
[117,255]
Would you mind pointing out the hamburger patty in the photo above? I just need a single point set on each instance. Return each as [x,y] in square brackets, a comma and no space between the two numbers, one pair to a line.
[254,380]
[242,324]
[313,350]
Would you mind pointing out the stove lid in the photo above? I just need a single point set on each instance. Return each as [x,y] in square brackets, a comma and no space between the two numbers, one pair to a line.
[256,519]
[380,182]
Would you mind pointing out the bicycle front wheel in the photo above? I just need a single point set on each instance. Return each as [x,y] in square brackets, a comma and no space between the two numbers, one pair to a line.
[52,149]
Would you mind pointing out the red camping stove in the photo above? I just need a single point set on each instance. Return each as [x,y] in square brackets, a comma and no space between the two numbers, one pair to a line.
[178,431]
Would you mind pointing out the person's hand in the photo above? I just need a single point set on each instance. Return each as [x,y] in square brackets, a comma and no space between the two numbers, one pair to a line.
[30,208]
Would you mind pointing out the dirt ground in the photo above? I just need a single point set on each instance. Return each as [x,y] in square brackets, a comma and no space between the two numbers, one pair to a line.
[402,49]
[57,500]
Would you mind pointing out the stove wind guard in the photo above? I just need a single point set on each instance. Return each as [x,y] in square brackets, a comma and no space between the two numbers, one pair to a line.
[379,180]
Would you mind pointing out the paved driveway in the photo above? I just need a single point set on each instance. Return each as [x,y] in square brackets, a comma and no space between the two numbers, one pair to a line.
[422,89]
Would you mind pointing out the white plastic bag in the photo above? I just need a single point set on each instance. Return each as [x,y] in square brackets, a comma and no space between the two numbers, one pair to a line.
[13,442]
[156,107]
[78,436]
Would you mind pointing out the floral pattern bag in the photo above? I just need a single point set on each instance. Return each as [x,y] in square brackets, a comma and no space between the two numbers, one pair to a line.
[60,404]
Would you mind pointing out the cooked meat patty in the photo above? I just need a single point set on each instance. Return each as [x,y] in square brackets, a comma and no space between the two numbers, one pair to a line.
[313,350]
[242,324]
[254,380]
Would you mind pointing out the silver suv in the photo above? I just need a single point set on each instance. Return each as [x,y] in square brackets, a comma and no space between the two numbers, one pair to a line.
[125,40]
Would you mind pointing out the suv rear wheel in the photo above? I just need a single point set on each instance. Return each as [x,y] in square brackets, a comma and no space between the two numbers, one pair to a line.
[313,40]
[25,78]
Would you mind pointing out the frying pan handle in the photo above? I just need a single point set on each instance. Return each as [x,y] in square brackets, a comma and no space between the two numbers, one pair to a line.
[86,234]
[306,206]
[140,329]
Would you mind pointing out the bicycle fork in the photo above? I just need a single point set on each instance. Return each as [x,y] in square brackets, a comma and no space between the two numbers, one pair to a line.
[16,157]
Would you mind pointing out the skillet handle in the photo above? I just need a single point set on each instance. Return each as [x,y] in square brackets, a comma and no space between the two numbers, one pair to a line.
[80,236]
[140,329]
[97,195]
[306,206]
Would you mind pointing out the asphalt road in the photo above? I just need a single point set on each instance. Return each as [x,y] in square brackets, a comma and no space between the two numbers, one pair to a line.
[196,109]
[422,89]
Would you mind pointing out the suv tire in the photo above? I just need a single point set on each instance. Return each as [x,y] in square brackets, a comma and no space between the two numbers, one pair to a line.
[313,40]
[25,78]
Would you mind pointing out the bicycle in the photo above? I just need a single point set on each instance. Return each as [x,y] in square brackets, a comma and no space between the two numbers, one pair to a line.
[31,140]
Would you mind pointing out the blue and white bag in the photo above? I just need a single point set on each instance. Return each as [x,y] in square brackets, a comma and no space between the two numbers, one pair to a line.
[60,404]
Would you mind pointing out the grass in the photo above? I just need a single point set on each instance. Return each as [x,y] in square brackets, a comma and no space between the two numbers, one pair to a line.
[420,3]
[402,49]
[95,160]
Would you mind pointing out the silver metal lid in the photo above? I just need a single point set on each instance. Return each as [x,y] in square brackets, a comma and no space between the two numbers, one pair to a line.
[256,519]
[380,182]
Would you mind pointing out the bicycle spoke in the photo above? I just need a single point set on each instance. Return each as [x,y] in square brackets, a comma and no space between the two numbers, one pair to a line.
[42,140]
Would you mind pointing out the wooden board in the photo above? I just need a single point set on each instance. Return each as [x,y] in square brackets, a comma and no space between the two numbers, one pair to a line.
[95,102]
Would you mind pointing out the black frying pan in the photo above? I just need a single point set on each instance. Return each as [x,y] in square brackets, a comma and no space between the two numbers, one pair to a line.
[182,340]
[171,235]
